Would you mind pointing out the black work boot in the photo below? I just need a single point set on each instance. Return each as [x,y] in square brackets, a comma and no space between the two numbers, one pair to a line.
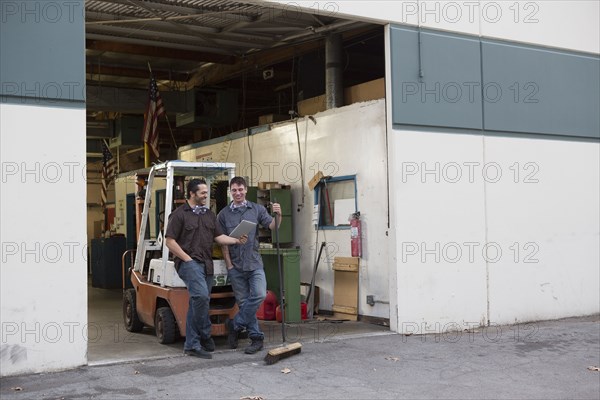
[256,345]
[232,334]
[208,344]
[198,353]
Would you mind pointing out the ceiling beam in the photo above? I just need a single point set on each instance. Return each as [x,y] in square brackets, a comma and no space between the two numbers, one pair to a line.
[213,74]
[167,36]
[150,42]
[153,51]
[193,12]
[95,18]
[159,74]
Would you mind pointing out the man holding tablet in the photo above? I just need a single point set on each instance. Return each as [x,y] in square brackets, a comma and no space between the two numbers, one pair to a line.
[244,263]
[190,234]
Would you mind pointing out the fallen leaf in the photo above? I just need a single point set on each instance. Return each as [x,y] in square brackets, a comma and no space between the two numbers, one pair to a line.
[394,359]
[286,370]
[592,368]
[136,372]
[17,388]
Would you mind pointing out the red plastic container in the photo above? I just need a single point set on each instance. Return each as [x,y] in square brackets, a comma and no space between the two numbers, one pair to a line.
[266,311]
[303,311]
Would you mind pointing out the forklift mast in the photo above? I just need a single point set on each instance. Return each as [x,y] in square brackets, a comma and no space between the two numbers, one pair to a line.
[175,173]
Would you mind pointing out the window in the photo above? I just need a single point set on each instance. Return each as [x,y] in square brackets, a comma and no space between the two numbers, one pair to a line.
[335,199]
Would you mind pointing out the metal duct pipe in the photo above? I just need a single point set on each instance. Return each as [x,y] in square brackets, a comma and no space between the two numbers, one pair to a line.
[334,85]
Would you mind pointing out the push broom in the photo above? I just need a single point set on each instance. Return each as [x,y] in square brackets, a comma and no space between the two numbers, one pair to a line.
[289,350]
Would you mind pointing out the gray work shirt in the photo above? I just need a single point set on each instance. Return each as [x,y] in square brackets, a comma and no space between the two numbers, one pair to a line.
[245,257]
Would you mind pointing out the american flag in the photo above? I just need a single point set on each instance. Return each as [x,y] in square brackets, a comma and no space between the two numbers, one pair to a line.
[154,110]
[108,172]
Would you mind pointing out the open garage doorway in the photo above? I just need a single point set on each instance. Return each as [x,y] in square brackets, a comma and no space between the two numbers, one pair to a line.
[222,68]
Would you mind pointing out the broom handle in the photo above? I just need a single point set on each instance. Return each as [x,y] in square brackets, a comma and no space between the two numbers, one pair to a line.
[280,269]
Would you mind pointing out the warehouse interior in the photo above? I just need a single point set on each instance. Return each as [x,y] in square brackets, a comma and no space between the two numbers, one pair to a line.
[221,67]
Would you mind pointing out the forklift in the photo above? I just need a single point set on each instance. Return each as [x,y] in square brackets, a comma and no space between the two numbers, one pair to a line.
[159,298]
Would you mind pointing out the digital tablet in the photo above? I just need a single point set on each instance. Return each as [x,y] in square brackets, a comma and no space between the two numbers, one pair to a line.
[244,228]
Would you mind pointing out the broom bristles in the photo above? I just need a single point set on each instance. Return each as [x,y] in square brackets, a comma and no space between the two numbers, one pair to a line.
[279,353]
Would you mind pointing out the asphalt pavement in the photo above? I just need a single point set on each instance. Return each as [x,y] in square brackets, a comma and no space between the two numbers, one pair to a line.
[539,360]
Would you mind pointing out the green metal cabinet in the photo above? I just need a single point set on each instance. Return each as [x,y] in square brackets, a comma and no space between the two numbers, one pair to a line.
[290,263]
[284,198]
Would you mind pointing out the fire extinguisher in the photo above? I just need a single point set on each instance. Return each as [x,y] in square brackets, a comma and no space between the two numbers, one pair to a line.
[355,235]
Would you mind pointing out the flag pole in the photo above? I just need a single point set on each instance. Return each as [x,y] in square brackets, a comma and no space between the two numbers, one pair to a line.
[146,155]
[167,118]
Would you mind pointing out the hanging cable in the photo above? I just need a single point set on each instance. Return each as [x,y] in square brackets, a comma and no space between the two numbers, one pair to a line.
[250,150]
[301,204]
[292,84]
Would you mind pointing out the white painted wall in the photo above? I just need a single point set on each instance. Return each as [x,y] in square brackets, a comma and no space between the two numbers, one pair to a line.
[44,246]
[439,216]
[548,230]
[549,205]
[532,203]
[555,23]
[345,141]
[572,25]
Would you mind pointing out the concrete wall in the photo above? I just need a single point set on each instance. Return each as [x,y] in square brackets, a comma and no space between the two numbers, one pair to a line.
[43,274]
[43,271]
[493,229]
[345,141]
[547,218]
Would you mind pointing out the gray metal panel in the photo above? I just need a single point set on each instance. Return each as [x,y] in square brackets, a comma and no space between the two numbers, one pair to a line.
[42,50]
[543,91]
[449,93]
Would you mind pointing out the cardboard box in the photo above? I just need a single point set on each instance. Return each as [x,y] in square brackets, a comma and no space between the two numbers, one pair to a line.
[315,180]
[366,91]
[271,118]
[311,106]
[266,185]
[346,264]
[345,288]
